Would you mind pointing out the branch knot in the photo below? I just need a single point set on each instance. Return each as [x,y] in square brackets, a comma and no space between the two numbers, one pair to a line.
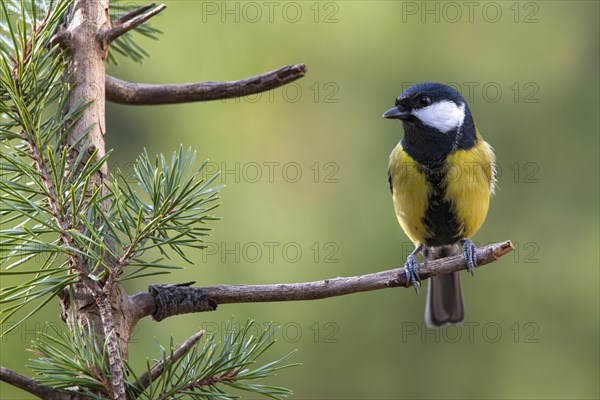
[179,299]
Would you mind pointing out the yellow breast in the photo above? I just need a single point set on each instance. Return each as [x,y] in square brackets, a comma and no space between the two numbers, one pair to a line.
[410,193]
[468,184]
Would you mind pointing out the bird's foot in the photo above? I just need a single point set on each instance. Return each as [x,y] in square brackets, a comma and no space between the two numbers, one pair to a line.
[411,266]
[470,255]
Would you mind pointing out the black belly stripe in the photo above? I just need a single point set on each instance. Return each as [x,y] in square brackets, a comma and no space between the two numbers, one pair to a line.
[439,218]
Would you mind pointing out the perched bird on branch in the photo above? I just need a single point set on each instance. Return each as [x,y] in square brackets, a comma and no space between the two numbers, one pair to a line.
[441,175]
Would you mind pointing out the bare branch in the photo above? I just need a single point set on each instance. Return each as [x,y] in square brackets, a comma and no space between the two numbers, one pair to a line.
[118,91]
[131,23]
[131,14]
[157,369]
[167,300]
[36,389]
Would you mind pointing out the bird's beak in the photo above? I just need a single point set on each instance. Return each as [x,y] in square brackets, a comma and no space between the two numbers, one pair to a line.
[397,112]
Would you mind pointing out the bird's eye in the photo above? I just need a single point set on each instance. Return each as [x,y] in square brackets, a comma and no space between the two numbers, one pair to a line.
[424,101]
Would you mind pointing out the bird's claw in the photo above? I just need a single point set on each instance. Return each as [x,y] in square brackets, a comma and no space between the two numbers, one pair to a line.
[470,255]
[411,266]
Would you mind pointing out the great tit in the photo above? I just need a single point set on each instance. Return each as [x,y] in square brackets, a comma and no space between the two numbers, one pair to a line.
[441,175]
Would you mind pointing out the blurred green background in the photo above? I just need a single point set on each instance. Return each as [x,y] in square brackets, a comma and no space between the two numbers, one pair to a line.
[306,195]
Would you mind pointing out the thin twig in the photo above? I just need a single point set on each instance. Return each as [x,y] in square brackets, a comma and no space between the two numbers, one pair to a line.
[185,299]
[157,369]
[118,91]
[209,381]
[131,14]
[36,389]
[120,29]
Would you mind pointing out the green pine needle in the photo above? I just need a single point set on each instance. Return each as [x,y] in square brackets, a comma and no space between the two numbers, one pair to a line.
[127,45]
[51,206]
[211,371]
[206,371]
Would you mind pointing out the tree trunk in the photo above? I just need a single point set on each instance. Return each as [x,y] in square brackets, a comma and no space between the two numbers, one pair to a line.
[105,306]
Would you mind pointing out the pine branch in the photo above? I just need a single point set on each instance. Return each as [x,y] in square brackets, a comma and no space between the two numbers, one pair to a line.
[131,21]
[168,300]
[29,385]
[36,90]
[118,91]
[52,196]
[206,372]
[132,14]
[73,360]
[157,369]
[165,211]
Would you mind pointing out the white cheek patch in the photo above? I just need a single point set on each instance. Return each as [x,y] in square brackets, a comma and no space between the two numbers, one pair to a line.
[443,115]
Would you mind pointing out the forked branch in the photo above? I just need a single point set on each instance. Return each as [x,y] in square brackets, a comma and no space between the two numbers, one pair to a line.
[131,21]
[118,91]
[168,300]
[132,14]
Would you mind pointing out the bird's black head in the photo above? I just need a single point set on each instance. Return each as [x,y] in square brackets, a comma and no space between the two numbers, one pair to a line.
[436,121]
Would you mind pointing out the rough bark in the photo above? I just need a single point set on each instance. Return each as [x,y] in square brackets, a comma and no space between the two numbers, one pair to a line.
[104,307]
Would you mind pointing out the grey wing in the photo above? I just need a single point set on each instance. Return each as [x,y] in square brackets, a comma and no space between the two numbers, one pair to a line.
[390,182]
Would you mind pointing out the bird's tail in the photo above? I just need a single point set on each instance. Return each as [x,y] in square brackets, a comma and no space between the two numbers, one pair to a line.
[444,301]
[444,295]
